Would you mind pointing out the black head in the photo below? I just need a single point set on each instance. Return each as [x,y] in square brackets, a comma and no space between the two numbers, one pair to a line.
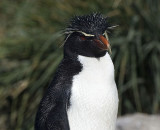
[90,24]
[87,35]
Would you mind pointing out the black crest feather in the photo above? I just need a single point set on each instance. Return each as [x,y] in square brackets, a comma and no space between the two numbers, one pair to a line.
[91,24]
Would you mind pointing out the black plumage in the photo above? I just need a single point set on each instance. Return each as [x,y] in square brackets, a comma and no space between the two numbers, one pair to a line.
[52,113]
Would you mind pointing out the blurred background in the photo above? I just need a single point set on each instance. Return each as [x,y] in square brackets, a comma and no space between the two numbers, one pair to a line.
[30,40]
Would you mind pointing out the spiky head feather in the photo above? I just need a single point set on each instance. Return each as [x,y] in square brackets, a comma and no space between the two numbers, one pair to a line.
[91,24]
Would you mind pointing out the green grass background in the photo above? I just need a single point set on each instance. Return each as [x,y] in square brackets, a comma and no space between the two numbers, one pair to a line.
[30,40]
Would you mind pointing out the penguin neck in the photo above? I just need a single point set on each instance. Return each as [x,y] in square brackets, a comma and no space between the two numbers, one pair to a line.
[72,54]
[98,63]
[102,63]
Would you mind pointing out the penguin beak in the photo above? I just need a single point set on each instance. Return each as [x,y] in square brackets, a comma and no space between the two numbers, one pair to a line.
[103,43]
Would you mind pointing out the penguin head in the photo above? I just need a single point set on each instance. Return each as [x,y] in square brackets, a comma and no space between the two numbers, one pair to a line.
[87,36]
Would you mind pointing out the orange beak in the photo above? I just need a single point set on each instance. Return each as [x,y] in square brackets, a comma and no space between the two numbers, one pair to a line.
[103,43]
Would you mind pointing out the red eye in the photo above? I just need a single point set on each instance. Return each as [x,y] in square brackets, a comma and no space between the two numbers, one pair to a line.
[83,38]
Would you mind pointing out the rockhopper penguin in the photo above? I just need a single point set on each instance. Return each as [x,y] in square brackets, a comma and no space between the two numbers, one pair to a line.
[83,93]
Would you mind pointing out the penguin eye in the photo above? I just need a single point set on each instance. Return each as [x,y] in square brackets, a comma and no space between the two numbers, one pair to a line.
[83,38]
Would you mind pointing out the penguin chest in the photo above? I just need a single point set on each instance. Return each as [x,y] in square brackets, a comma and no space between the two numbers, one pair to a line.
[94,98]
